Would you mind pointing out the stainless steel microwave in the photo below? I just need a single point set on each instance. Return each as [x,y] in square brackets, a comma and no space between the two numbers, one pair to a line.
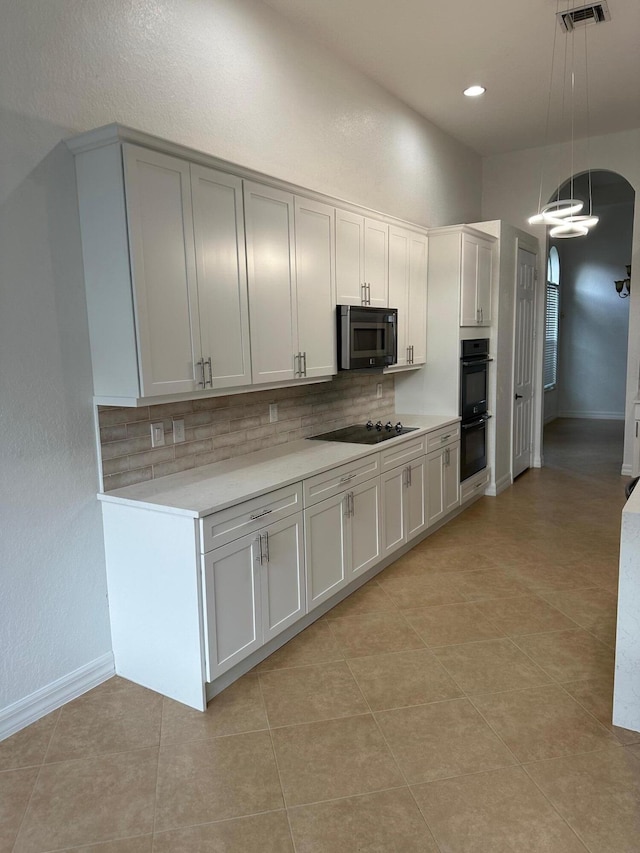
[367,337]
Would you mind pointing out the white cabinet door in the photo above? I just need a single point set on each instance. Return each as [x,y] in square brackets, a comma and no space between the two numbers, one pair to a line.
[232,604]
[350,280]
[282,576]
[364,540]
[435,486]
[326,548]
[159,219]
[408,293]
[394,532]
[399,288]
[451,476]
[417,311]
[269,218]
[416,498]
[218,222]
[376,262]
[315,288]
[475,281]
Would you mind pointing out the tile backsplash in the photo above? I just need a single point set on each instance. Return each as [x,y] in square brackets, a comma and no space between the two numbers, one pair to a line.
[219,428]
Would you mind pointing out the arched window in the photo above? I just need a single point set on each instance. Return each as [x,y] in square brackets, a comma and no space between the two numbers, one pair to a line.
[551,320]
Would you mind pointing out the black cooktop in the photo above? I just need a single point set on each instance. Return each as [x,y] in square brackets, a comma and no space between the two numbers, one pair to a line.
[363,434]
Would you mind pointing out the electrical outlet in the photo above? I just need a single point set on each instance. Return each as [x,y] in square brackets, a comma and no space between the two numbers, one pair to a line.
[157,434]
[178,430]
[379,390]
[273,413]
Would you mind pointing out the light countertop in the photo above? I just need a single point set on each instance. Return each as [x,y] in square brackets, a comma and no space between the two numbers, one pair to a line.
[209,488]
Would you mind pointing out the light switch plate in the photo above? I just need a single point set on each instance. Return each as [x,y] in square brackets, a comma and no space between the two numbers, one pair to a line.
[273,413]
[178,430]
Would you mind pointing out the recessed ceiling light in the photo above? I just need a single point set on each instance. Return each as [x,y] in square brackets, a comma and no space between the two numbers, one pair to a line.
[474,91]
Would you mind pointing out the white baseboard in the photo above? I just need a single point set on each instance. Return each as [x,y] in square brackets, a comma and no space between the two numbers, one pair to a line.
[503,483]
[594,416]
[26,711]
[627,471]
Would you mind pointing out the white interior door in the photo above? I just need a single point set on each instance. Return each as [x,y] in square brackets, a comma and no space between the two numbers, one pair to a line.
[523,362]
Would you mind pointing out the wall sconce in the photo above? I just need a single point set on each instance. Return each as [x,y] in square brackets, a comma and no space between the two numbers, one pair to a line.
[623,287]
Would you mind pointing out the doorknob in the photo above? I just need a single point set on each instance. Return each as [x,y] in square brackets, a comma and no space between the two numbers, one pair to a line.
[519,397]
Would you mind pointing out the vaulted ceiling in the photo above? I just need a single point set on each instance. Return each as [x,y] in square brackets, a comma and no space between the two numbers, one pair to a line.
[426,52]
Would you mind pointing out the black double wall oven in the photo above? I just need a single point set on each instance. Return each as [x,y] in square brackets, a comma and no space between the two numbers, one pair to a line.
[474,386]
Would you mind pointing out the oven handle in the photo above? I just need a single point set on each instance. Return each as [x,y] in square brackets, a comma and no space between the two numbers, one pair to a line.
[476,361]
[477,423]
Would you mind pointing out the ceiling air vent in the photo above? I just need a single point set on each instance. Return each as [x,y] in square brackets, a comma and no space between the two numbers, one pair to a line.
[593,13]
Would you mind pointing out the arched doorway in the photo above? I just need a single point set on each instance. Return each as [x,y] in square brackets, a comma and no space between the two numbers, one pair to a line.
[587,321]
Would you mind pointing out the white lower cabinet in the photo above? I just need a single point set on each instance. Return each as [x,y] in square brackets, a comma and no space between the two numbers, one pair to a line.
[443,478]
[404,504]
[253,590]
[342,540]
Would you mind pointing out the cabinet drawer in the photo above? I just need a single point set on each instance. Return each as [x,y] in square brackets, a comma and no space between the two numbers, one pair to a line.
[403,452]
[339,479]
[442,437]
[236,521]
[474,486]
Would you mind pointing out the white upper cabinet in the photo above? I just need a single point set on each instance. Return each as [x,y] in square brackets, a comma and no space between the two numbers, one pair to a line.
[163,250]
[408,292]
[475,281]
[290,263]
[269,216]
[218,222]
[362,260]
[315,288]
[159,216]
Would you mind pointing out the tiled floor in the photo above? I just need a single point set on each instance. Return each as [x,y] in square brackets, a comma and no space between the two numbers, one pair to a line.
[460,702]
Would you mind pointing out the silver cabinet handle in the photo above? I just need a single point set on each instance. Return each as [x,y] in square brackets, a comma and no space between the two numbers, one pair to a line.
[258,556]
[266,546]
[200,364]
[304,361]
[297,370]
[351,503]
[208,363]
[444,438]
[346,506]
[260,514]
[447,457]
[347,478]
[363,288]
[410,472]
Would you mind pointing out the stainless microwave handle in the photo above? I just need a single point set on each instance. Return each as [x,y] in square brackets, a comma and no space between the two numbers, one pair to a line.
[477,423]
[476,361]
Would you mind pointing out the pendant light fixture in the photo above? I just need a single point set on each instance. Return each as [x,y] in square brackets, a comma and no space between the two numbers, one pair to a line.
[565,215]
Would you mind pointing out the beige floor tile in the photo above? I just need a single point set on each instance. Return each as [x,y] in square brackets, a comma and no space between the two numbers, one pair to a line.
[239,708]
[386,821]
[598,794]
[316,644]
[587,607]
[333,759]
[15,790]
[215,779]
[90,800]
[370,598]
[480,586]
[544,573]
[403,678]
[526,614]
[490,666]
[569,655]
[108,722]
[139,844]
[442,739]
[497,812]
[412,591]
[263,833]
[543,722]
[449,624]
[374,633]
[27,748]
[308,693]
[596,696]
[425,559]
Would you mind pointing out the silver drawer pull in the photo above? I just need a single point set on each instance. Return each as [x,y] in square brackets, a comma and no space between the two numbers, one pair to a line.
[347,478]
[260,514]
[445,437]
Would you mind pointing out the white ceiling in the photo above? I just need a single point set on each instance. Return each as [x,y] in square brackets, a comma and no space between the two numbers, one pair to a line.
[426,52]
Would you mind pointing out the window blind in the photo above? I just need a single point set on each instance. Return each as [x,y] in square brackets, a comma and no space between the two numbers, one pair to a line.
[552,318]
